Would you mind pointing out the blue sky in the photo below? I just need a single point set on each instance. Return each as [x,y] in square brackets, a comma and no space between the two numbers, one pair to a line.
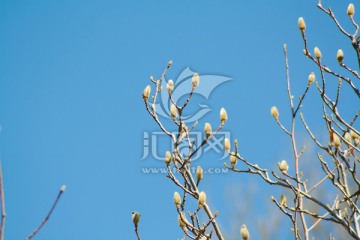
[71,112]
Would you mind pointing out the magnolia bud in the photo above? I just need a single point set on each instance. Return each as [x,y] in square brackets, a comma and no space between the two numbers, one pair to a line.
[167,157]
[335,140]
[199,173]
[173,111]
[274,112]
[350,10]
[195,80]
[283,166]
[183,222]
[311,78]
[202,199]
[170,63]
[63,188]
[301,24]
[340,55]
[317,53]
[177,199]
[170,86]
[223,115]
[135,217]
[207,130]
[244,232]
[226,145]
[146,92]
[283,200]
[347,137]
[233,159]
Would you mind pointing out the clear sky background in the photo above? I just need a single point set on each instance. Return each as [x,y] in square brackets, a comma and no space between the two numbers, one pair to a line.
[71,112]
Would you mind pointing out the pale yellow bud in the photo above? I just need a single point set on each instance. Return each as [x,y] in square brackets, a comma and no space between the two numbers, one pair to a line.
[173,111]
[354,135]
[350,10]
[283,200]
[283,166]
[274,112]
[223,115]
[183,222]
[63,188]
[170,86]
[336,140]
[301,24]
[317,53]
[347,137]
[195,80]
[167,157]
[177,199]
[146,92]
[170,63]
[202,199]
[207,130]
[311,78]
[244,232]
[199,173]
[227,145]
[340,55]
[233,159]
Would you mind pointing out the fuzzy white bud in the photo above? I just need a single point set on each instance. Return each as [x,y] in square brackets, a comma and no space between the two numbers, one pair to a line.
[274,112]
[301,24]
[177,199]
[146,92]
[223,115]
[317,53]
[167,157]
[244,232]
[340,55]
[207,130]
[347,137]
[233,159]
[283,166]
[170,86]
[199,173]
[195,80]
[173,111]
[202,199]
[311,78]
[63,188]
[283,200]
[226,145]
[350,10]
[335,140]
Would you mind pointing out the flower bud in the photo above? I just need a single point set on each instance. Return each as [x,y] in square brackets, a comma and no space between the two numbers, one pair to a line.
[283,200]
[146,92]
[202,199]
[274,112]
[170,63]
[301,24]
[317,53]
[177,199]
[347,137]
[183,223]
[199,173]
[170,86]
[167,157]
[340,55]
[173,111]
[63,188]
[335,140]
[350,10]
[207,130]
[233,159]
[223,115]
[244,232]
[226,145]
[283,166]
[311,78]
[195,80]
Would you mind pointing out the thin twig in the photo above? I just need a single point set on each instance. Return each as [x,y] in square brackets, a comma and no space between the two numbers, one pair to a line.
[61,191]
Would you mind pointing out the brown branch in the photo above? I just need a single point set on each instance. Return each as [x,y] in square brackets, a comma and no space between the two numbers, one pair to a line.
[61,191]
